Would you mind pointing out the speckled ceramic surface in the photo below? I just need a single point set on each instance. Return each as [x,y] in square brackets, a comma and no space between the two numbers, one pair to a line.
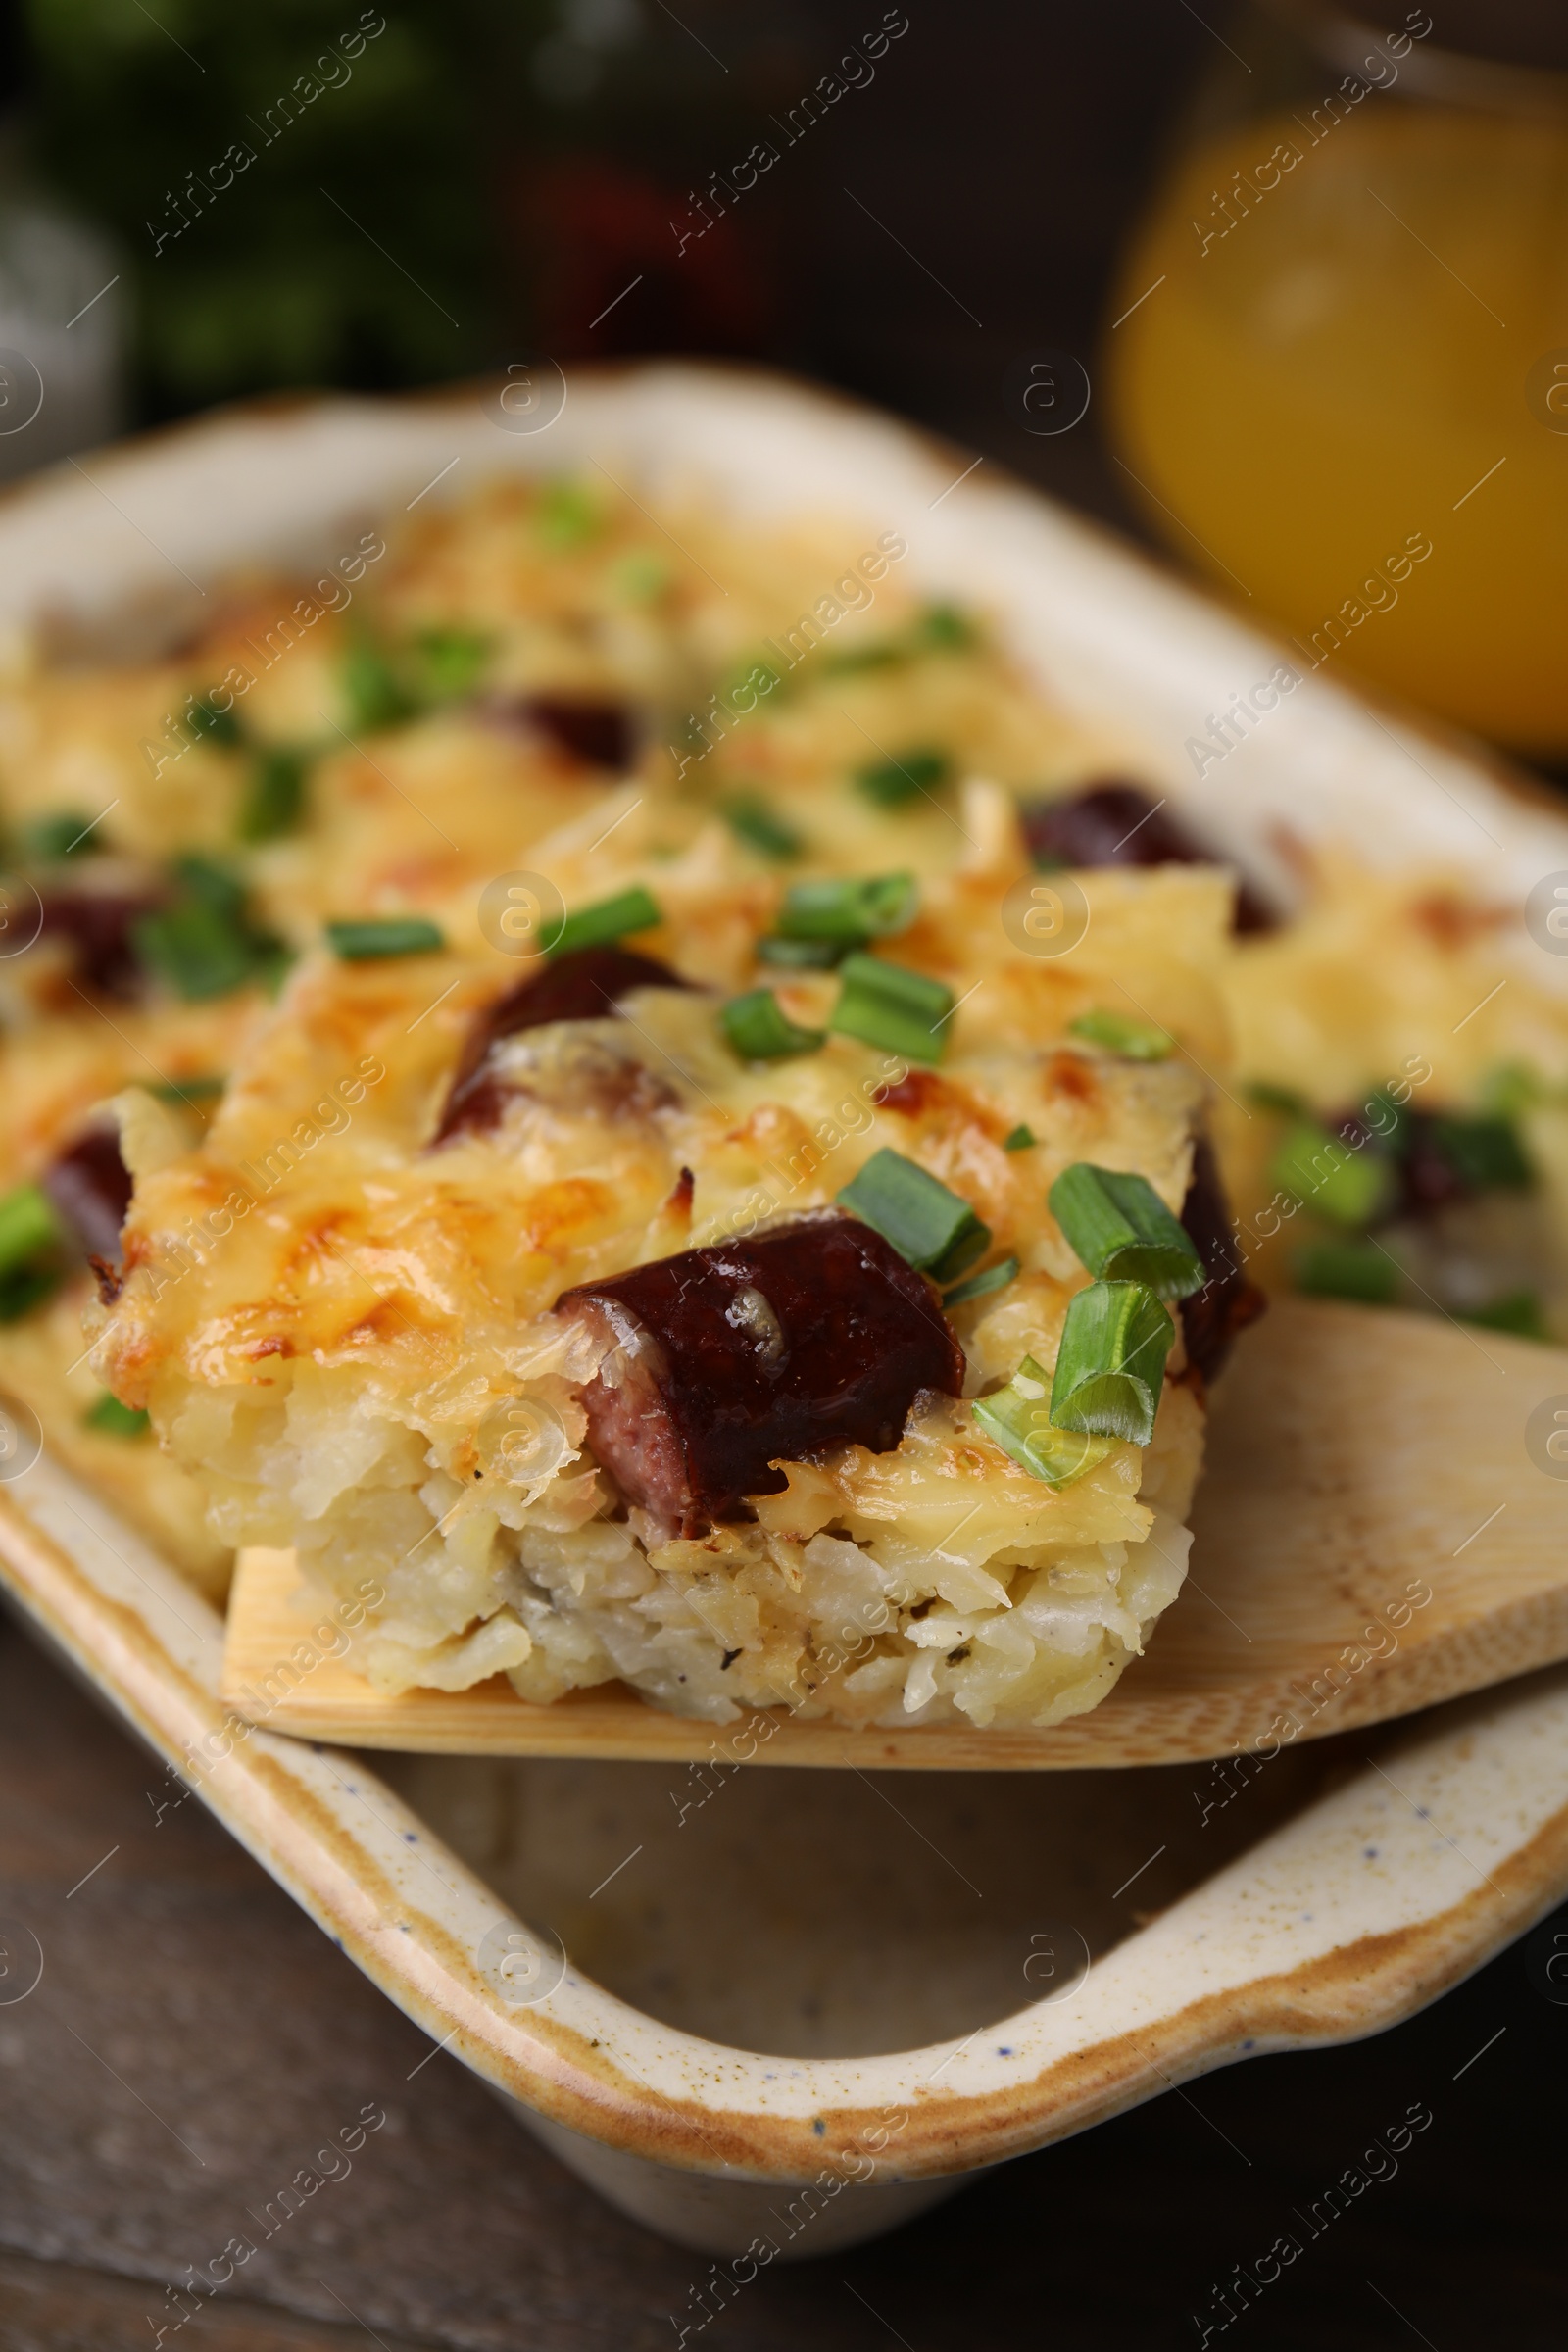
[927,2015]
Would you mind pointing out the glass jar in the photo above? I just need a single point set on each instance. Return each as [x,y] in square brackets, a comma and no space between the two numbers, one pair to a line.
[1337,371]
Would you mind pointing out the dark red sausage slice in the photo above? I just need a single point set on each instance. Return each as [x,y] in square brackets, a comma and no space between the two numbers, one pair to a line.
[90,1187]
[589,728]
[99,925]
[586,984]
[1117,824]
[1227,1302]
[730,1358]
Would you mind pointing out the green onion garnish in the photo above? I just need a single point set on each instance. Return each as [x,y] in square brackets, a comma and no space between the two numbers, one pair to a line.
[452,662]
[802,955]
[212,885]
[1281,1099]
[377,696]
[1518,1311]
[218,726]
[28,1225]
[641,576]
[761,828]
[608,919]
[1121,1229]
[62,833]
[1113,1361]
[1483,1153]
[274,802]
[365,939]
[892,782]
[1018,1418]
[935,1230]
[198,952]
[946,627]
[881,653]
[760,1030]
[569,515]
[850,913]
[1512,1088]
[203,1089]
[1321,1171]
[1347,1269]
[995,1278]
[1022,1139]
[887,1005]
[1137,1041]
[204,945]
[115,1419]
[33,1251]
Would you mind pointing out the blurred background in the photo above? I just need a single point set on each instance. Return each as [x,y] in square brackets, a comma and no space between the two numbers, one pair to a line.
[1281,288]
[1280,291]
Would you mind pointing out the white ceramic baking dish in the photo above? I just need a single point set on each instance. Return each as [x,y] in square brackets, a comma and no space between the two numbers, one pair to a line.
[945,1974]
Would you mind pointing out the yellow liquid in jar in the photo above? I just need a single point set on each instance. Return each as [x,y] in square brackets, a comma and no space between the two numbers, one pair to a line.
[1361,357]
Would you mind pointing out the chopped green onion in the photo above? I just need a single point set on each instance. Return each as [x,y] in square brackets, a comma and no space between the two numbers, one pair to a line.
[760,827]
[198,952]
[1389,1121]
[1511,1088]
[28,1225]
[946,627]
[1485,1153]
[275,802]
[212,885]
[1518,1311]
[203,944]
[1111,1362]
[115,1420]
[33,1251]
[219,726]
[760,1030]
[377,696]
[892,782]
[1138,1041]
[569,515]
[1018,1418]
[873,906]
[201,1089]
[62,833]
[1357,1270]
[802,955]
[642,576]
[978,1286]
[935,1230]
[1281,1099]
[881,653]
[452,662]
[1022,1139]
[608,919]
[1121,1229]
[1349,1187]
[887,1005]
[365,939]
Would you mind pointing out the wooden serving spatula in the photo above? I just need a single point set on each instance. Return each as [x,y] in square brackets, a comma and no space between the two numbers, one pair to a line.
[1383,1524]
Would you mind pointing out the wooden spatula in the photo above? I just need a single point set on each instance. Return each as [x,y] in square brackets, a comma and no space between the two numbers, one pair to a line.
[1384,1524]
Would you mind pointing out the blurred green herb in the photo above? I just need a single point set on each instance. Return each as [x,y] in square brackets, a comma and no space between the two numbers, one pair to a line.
[298,192]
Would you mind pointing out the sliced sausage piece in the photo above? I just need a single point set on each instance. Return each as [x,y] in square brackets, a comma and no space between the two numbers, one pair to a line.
[586,984]
[1117,824]
[727,1359]
[590,729]
[90,1187]
[1227,1303]
[100,926]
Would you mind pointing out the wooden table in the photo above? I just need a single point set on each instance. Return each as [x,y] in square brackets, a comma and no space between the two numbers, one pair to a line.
[193,2040]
